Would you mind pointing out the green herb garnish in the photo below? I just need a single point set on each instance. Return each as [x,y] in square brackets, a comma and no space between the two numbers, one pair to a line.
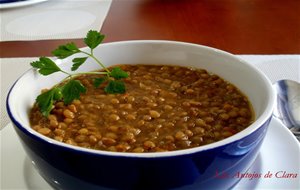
[71,89]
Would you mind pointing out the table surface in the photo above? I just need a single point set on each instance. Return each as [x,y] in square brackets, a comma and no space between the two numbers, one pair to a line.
[237,26]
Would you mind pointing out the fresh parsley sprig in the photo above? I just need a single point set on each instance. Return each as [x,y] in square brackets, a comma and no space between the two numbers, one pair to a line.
[71,89]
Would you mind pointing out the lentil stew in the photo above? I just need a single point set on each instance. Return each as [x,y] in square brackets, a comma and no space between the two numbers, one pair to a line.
[165,108]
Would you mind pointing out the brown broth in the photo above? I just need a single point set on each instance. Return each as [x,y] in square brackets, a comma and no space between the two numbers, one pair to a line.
[165,108]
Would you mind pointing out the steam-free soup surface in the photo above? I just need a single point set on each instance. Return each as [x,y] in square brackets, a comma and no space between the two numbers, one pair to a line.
[165,108]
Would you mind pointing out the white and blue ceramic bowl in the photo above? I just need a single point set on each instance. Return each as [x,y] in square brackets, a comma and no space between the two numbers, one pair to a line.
[213,166]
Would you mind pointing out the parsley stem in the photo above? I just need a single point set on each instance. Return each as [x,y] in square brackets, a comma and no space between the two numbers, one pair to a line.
[100,63]
[71,76]
[90,73]
[92,56]
[66,72]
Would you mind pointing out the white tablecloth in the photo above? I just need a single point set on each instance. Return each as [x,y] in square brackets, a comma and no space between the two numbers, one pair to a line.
[276,67]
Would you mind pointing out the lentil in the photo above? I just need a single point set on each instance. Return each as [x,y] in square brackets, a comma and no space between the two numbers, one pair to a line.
[149,144]
[68,114]
[154,114]
[44,131]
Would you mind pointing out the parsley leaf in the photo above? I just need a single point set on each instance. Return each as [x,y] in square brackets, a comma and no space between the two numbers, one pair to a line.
[93,39]
[78,61]
[72,90]
[118,73]
[68,92]
[99,81]
[115,87]
[45,100]
[64,51]
[45,66]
